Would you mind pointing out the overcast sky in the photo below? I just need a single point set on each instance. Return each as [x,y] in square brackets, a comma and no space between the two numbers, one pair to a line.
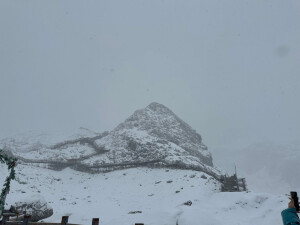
[230,69]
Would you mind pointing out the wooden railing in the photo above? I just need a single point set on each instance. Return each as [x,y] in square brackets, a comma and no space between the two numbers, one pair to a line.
[26,221]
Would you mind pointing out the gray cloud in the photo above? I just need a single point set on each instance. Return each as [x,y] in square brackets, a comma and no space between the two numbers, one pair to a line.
[69,64]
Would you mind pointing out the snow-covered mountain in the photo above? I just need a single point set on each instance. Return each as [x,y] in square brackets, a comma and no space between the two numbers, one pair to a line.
[167,176]
[153,137]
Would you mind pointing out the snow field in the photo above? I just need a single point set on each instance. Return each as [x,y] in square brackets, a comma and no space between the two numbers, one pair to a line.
[158,193]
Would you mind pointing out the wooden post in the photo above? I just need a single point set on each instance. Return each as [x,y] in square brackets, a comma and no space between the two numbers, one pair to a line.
[4,219]
[237,179]
[26,219]
[64,220]
[95,221]
[244,184]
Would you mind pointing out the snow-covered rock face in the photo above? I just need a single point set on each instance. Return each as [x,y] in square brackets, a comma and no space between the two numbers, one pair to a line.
[160,122]
[36,206]
[153,136]
[156,134]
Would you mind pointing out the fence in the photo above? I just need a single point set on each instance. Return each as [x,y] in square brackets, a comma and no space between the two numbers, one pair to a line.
[26,221]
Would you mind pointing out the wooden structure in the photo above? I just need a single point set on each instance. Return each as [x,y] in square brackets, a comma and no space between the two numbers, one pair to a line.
[26,220]
[233,183]
[64,221]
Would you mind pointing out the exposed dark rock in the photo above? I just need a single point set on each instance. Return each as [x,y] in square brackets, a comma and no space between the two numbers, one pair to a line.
[188,203]
[134,212]
[204,177]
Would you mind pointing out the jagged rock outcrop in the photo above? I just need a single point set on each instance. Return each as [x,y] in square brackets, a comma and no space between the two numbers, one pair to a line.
[153,136]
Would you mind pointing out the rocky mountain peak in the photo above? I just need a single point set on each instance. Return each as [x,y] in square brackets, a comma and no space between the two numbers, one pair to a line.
[154,115]
[156,120]
[159,108]
[160,121]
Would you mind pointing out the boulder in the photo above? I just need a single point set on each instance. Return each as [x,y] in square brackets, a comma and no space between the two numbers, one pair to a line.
[36,206]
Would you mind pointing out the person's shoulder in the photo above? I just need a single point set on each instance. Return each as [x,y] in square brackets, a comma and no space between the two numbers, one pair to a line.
[289,210]
[290,217]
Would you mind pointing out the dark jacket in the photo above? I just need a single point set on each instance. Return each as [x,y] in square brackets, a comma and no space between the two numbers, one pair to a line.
[290,217]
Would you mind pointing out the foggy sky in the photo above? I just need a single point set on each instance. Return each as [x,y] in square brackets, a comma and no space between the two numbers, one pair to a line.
[230,69]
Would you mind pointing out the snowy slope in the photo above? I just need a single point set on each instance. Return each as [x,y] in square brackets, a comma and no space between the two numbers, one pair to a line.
[158,193]
[25,142]
[38,145]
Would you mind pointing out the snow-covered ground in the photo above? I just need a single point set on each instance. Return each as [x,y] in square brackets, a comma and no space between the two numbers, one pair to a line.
[158,194]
